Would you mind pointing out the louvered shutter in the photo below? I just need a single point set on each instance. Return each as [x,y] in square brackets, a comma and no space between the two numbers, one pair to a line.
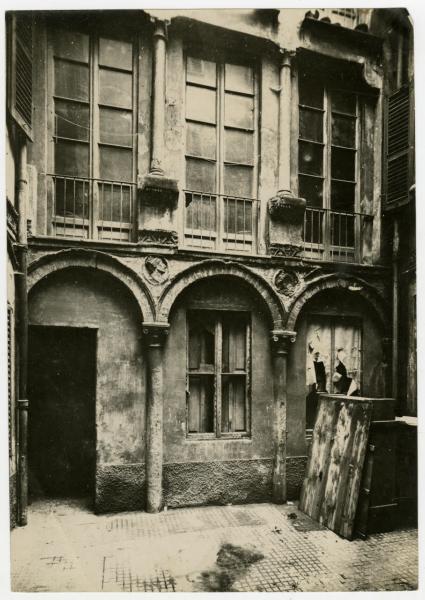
[397,148]
[21,70]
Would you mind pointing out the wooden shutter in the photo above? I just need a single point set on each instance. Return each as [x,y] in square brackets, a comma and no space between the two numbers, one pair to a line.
[21,70]
[398,132]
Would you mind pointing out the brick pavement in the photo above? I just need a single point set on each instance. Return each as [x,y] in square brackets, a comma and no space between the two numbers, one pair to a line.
[256,547]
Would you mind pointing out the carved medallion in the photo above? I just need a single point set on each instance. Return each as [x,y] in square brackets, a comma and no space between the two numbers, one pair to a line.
[286,282]
[156,269]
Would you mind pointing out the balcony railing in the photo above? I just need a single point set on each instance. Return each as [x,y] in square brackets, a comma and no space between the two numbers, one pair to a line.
[92,208]
[220,222]
[335,236]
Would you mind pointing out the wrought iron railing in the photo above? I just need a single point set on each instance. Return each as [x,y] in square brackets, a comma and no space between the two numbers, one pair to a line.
[220,222]
[335,236]
[92,208]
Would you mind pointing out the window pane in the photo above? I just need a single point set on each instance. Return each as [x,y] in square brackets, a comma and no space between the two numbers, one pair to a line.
[238,181]
[71,198]
[343,102]
[201,71]
[238,111]
[237,216]
[201,342]
[313,226]
[200,175]
[343,131]
[72,120]
[342,196]
[310,92]
[234,344]
[311,125]
[343,163]
[311,189]
[72,45]
[115,88]
[72,158]
[114,53]
[201,212]
[115,164]
[233,404]
[310,158]
[71,80]
[116,127]
[239,78]
[201,140]
[238,146]
[201,404]
[200,104]
[114,203]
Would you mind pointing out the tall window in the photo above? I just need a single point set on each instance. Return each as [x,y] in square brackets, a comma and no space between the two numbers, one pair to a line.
[93,97]
[327,163]
[221,133]
[218,373]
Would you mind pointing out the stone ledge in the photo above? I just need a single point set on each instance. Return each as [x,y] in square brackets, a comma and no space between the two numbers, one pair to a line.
[158,190]
[286,208]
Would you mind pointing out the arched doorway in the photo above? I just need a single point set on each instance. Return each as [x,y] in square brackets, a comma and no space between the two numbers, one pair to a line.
[86,389]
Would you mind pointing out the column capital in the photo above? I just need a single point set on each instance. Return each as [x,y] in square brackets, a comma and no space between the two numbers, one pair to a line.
[281,340]
[155,333]
[160,27]
[287,57]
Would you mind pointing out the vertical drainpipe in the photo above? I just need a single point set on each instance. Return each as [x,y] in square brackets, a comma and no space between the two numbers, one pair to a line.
[395,257]
[22,337]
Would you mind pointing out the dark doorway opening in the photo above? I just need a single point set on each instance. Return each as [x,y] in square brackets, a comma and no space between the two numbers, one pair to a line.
[62,418]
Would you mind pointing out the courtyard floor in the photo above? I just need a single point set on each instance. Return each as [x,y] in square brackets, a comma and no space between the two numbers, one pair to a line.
[255,547]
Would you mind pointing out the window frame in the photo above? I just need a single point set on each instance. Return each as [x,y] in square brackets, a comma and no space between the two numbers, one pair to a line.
[219,316]
[217,238]
[93,225]
[326,245]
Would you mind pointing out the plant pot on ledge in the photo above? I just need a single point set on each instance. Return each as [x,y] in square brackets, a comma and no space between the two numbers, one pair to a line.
[286,222]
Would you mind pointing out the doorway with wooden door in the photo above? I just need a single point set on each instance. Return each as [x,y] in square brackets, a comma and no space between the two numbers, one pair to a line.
[62,413]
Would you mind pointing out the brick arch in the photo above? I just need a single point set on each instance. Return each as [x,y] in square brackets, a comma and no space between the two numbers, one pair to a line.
[90,259]
[221,268]
[330,282]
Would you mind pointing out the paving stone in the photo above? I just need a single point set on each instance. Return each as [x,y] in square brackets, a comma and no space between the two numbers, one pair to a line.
[67,548]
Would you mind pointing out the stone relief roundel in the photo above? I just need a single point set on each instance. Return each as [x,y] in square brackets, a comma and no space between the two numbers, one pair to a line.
[286,282]
[156,269]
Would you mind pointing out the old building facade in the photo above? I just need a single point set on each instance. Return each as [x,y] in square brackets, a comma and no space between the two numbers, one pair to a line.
[203,196]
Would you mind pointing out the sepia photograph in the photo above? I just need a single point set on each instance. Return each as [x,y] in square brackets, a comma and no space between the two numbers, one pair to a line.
[211,299]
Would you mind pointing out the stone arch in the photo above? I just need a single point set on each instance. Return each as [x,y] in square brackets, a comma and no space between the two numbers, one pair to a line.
[329,282]
[220,268]
[90,259]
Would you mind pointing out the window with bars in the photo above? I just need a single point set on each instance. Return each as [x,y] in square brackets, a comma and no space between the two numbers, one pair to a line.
[94,152]
[221,134]
[328,162]
[218,373]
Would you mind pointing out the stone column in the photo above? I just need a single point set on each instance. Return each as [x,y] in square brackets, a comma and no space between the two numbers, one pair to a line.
[286,211]
[285,107]
[158,106]
[281,341]
[155,335]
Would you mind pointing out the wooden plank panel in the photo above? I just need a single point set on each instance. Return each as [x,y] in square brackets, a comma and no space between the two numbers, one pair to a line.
[331,486]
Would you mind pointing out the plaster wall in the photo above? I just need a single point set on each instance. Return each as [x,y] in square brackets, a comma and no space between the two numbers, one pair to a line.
[86,298]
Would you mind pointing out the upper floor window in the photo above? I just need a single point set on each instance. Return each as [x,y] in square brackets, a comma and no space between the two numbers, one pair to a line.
[328,166]
[94,152]
[218,373]
[221,139]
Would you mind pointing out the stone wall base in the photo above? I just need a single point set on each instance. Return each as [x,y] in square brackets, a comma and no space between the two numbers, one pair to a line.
[120,488]
[295,469]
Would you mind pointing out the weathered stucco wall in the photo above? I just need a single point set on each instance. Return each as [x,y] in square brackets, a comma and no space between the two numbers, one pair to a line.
[217,471]
[79,297]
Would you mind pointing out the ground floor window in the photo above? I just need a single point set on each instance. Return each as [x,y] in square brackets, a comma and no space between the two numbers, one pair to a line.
[333,359]
[218,373]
